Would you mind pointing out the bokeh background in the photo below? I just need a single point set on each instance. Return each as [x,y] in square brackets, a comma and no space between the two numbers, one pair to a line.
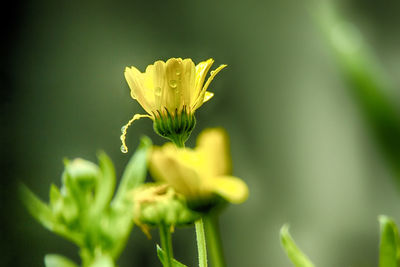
[311,148]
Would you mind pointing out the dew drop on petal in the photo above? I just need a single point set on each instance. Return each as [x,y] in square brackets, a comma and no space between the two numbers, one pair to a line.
[157,91]
[178,72]
[124,149]
[173,83]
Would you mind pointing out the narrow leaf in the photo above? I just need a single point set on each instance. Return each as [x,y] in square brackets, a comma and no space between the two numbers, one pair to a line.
[135,171]
[54,260]
[36,207]
[105,186]
[163,258]
[389,244]
[298,258]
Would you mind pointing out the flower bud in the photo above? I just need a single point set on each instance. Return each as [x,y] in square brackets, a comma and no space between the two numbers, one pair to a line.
[156,204]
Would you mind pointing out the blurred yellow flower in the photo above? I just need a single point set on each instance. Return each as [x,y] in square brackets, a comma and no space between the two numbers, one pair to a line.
[170,92]
[199,173]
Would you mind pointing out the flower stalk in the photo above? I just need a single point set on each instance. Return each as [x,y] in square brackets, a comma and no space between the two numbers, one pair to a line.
[201,243]
[166,243]
[214,241]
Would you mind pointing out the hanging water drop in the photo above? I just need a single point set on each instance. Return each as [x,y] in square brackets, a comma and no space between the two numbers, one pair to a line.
[123,129]
[124,149]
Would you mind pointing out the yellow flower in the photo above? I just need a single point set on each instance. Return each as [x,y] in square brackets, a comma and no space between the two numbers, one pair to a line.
[199,173]
[170,92]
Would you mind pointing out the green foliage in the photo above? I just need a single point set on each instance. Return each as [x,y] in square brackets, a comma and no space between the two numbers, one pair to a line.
[367,80]
[389,249]
[82,210]
[163,258]
[298,258]
[54,260]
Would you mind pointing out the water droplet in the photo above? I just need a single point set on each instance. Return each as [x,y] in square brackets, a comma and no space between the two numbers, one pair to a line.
[124,149]
[178,72]
[173,83]
[157,91]
[123,128]
[212,72]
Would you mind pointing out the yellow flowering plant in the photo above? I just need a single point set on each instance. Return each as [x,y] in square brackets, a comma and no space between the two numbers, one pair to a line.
[170,92]
[202,173]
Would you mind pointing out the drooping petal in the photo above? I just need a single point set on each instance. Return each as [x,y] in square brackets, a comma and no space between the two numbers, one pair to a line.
[200,100]
[213,143]
[134,79]
[230,188]
[124,148]
[138,90]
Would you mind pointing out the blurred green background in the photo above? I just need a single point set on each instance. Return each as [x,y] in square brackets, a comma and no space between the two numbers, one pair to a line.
[302,140]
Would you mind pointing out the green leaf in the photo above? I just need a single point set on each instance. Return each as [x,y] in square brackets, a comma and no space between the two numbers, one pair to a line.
[121,210]
[105,185]
[135,172]
[37,208]
[389,245]
[163,258]
[298,258]
[54,260]
[369,82]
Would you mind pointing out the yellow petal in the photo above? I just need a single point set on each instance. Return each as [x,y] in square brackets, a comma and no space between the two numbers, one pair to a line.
[142,94]
[173,98]
[201,72]
[213,143]
[165,166]
[230,188]
[133,77]
[200,100]
[124,148]
[159,82]
[188,81]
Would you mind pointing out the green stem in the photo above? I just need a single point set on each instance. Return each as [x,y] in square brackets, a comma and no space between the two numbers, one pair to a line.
[214,240]
[201,243]
[166,243]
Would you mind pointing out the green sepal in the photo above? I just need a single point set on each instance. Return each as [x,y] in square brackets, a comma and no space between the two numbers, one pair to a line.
[176,127]
[163,258]
[54,260]
[389,248]
[298,258]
